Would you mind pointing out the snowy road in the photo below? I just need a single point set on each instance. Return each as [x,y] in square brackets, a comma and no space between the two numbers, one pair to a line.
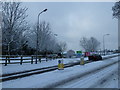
[106,78]
[71,77]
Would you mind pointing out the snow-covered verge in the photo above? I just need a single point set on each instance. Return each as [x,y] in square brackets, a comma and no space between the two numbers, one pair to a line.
[110,55]
[11,68]
[54,77]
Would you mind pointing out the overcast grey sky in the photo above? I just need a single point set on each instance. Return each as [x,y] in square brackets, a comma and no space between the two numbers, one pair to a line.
[73,20]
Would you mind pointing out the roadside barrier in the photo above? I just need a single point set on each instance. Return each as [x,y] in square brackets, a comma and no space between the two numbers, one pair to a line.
[60,64]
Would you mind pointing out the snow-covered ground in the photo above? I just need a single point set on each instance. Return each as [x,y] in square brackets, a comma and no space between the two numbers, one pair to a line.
[10,68]
[107,78]
[56,76]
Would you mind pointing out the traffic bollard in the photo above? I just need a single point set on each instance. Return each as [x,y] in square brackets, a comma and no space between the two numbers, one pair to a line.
[60,65]
[82,61]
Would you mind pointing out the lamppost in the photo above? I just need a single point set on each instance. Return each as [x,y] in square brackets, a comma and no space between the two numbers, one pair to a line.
[55,34]
[104,42]
[37,34]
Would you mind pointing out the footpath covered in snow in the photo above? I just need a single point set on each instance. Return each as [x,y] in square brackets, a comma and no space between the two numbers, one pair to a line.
[54,78]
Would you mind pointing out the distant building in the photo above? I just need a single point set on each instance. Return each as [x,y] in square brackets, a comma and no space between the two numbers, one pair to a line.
[70,53]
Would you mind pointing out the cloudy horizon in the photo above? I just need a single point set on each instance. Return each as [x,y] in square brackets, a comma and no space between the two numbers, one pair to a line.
[73,20]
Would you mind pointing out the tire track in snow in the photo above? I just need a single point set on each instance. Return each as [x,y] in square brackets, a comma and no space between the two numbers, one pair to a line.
[105,81]
[90,80]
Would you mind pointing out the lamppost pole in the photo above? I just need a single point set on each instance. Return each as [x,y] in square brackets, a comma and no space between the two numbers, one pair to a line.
[37,34]
[104,42]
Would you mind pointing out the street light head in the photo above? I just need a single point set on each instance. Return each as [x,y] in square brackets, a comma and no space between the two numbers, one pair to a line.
[56,34]
[107,34]
[45,10]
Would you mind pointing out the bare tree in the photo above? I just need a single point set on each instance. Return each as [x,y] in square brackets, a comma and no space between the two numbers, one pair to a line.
[13,26]
[84,43]
[43,36]
[116,10]
[116,14]
[46,40]
[63,46]
[89,45]
[93,44]
[50,42]
[0,29]
[55,46]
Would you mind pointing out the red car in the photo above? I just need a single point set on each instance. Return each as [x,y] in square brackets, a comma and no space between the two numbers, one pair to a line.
[95,57]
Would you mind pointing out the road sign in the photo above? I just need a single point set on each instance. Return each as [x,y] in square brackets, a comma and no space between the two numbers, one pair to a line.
[78,51]
[59,61]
